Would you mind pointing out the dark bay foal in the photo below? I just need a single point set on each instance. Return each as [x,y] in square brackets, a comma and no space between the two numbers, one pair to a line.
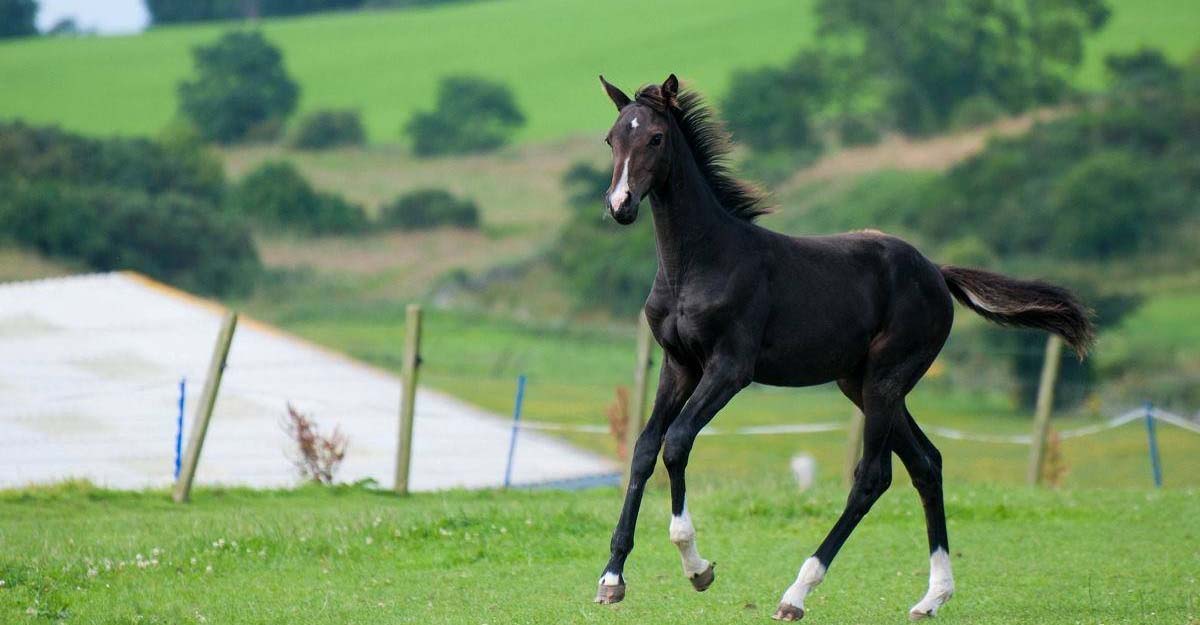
[734,303]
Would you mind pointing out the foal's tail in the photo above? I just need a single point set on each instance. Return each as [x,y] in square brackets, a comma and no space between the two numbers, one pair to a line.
[1028,303]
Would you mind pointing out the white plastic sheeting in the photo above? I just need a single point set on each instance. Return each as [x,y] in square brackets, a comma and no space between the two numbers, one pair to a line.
[89,388]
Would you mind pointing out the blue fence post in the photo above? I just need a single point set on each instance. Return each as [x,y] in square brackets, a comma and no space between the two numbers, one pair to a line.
[512,441]
[179,425]
[1152,439]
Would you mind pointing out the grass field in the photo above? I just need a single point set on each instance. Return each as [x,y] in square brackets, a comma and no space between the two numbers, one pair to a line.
[387,63]
[574,370]
[77,555]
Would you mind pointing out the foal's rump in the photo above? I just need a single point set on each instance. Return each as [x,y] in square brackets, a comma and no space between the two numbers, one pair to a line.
[1028,303]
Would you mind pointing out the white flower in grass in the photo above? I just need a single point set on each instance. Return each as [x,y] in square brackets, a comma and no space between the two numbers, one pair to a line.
[92,572]
[370,540]
[1,583]
[208,569]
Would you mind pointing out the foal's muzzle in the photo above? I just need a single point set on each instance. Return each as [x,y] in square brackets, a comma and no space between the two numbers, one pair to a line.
[625,212]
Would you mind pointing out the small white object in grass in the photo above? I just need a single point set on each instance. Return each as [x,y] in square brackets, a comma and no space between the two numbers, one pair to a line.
[804,468]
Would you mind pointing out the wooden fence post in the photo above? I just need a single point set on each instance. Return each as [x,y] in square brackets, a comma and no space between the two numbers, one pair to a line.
[637,399]
[204,409]
[1045,405]
[408,395]
[854,442]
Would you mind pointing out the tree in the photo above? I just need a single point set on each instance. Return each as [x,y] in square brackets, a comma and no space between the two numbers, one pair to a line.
[241,90]
[936,54]
[472,115]
[277,194]
[17,18]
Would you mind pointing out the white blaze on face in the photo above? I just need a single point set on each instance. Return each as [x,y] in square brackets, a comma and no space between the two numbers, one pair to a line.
[941,585]
[811,573]
[622,189]
[633,123]
[683,535]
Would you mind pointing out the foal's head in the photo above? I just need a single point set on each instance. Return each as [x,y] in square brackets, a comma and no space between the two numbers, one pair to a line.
[640,141]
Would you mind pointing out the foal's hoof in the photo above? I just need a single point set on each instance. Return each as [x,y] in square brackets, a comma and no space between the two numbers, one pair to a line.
[919,615]
[610,594]
[702,580]
[788,612]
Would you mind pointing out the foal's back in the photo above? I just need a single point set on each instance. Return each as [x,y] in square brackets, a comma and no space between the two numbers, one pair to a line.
[831,296]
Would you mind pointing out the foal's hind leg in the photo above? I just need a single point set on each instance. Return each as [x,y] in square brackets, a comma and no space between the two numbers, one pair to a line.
[872,477]
[924,464]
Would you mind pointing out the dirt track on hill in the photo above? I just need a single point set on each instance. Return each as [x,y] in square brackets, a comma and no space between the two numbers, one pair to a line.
[935,153]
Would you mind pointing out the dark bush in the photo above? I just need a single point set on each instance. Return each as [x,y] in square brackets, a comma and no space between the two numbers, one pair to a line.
[276,194]
[17,18]
[472,114]
[241,89]
[171,237]
[606,266]
[328,129]
[178,11]
[175,163]
[771,108]
[429,208]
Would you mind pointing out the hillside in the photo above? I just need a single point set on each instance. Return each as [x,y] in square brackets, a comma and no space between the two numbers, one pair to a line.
[386,63]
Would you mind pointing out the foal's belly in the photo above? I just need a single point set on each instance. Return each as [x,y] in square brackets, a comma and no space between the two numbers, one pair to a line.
[810,360]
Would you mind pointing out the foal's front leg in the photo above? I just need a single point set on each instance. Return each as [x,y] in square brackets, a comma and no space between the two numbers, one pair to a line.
[716,388]
[675,385]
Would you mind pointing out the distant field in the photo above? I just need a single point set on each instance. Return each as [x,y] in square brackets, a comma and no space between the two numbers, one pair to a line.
[387,63]
[314,556]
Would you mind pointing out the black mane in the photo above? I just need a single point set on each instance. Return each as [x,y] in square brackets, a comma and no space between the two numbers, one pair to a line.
[710,146]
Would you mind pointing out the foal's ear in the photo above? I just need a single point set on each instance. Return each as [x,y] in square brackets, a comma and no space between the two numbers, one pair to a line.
[670,89]
[616,95]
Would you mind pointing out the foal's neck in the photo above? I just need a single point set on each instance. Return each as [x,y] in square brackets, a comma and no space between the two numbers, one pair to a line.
[688,218]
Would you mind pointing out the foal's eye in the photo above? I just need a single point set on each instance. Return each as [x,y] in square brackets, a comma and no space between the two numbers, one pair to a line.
[608,141]
[656,139]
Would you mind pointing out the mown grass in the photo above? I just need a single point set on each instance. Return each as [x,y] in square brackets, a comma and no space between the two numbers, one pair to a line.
[387,63]
[72,554]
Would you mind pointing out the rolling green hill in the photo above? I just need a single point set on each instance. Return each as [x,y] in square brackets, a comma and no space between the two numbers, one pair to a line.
[387,63]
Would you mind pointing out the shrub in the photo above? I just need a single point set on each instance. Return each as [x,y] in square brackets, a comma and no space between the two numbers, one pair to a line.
[976,110]
[327,129]
[175,163]
[179,11]
[472,115]
[771,108]
[430,208]
[605,266]
[241,89]
[172,237]
[17,18]
[276,194]
[1104,206]
[860,129]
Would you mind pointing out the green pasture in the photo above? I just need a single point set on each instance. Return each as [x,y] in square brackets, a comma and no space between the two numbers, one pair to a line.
[74,554]
[387,63]
[573,372]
